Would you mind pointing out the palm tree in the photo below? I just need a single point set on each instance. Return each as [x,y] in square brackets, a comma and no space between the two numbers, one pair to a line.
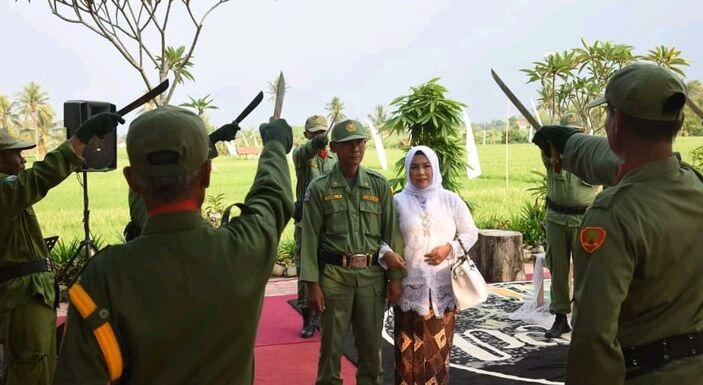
[668,57]
[379,117]
[31,101]
[200,104]
[335,108]
[8,114]
[273,88]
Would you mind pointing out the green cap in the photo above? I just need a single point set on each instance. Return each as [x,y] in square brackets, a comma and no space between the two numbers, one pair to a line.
[641,90]
[348,130]
[167,129]
[7,142]
[316,123]
[571,120]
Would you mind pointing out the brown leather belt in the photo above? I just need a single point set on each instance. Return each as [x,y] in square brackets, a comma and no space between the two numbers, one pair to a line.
[17,270]
[354,261]
[642,359]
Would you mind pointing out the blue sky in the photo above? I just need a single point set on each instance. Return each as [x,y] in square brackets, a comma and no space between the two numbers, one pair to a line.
[365,52]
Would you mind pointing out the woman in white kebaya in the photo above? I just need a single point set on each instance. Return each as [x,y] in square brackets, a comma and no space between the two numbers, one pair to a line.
[436,227]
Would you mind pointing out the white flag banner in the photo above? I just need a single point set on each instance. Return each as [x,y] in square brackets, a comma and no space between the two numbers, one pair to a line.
[536,112]
[231,148]
[378,142]
[473,167]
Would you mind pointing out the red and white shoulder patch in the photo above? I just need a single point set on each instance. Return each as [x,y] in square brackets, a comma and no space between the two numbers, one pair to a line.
[592,238]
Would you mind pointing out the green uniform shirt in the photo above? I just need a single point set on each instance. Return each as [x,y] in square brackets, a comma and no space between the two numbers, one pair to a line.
[21,238]
[184,299]
[309,165]
[566,189]
[345,219]
[643,283]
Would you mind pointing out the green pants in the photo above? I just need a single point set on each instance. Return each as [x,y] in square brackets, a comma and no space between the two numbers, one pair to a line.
[29,344]
[561,241]
[353,297]
[302,287]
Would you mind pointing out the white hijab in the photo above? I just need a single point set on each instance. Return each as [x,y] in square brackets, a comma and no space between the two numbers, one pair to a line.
[436,184]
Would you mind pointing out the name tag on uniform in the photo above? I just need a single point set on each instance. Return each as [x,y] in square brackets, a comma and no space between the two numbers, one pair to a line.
[334,197]
[372,198]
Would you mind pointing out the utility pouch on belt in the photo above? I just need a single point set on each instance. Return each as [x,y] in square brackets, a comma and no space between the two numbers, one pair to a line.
[97,319]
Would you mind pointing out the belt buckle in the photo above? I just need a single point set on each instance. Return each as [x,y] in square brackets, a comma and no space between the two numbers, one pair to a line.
[358,261]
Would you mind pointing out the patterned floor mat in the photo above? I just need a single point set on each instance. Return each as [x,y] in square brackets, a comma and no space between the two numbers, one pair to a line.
[490,347]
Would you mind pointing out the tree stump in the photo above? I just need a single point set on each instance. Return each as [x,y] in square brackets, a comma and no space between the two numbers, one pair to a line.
[498,255]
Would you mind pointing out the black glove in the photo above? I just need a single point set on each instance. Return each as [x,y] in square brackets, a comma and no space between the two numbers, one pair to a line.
[320,141]
[99,124]
[279,131]
[224,133]
[556,135]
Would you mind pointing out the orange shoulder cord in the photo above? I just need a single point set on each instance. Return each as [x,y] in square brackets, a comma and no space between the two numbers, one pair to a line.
[103,333]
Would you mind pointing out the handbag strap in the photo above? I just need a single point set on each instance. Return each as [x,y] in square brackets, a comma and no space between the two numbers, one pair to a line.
[463,248]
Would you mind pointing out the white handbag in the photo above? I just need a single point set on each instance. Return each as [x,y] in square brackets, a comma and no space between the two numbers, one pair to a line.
[468,284]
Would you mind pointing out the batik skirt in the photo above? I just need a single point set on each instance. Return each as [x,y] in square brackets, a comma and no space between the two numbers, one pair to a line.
[422,347]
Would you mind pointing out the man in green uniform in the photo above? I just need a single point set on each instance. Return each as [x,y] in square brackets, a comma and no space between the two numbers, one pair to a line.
[137,211]
[639,310]
[347,214]
[27,282]
[180,303]
[567,199]
[311,160]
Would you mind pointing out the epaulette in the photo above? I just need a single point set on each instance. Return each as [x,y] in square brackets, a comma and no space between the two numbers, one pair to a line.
[318,178]
[376,174]
[606,197]
[695,171]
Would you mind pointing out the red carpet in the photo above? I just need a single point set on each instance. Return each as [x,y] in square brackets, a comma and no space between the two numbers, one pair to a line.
[280,323]
[293,364]
[282,356]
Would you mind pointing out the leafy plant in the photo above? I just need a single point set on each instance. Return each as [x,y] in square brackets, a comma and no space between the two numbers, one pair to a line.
[286,252]
[200,104]
[494,222]
[430,119]
[539,191]
[68,265]
[529,222]
[214,208]
[697,156]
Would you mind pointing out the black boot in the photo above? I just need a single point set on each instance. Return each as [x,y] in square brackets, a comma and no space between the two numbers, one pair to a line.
[561,326]
[308,323]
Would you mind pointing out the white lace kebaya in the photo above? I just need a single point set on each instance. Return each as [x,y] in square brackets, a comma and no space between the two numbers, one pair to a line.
[428,218]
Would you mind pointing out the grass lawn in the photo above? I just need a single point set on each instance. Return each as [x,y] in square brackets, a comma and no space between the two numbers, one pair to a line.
[60,213]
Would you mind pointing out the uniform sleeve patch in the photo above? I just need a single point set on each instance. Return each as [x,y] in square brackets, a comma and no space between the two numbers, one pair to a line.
[592,238]
[10,179]
[372,198]
[334,197]
[308,195]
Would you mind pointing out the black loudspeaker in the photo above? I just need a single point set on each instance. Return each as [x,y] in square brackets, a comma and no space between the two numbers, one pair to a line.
[101,153]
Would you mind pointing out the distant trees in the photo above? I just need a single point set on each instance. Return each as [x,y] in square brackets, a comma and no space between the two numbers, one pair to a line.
[568,80]
[335,110]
